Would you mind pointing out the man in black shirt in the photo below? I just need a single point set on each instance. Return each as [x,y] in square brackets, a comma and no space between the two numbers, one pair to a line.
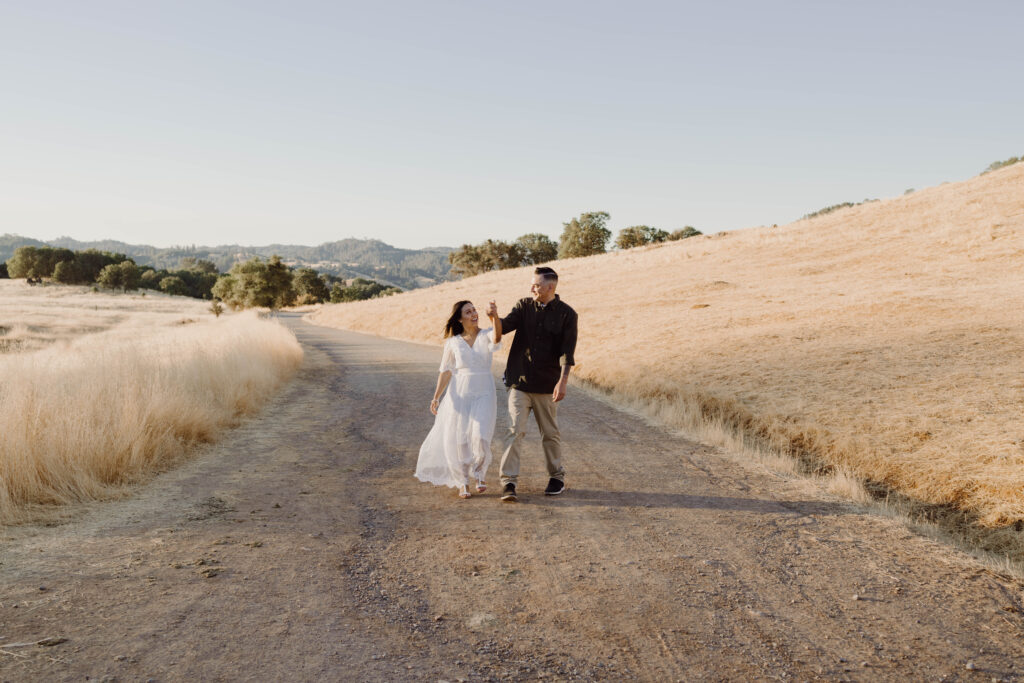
[536,376]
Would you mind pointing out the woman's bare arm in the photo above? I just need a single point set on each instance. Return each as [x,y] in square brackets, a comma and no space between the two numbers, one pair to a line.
[492,313]
[442,384]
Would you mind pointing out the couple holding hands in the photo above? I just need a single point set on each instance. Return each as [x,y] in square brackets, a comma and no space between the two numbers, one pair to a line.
[458,447]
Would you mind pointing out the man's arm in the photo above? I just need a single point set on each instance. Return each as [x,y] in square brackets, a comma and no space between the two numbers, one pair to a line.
[559,393]
[567,359]
[512,321]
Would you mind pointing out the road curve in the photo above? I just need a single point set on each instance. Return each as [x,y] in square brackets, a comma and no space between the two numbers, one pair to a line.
[300,547]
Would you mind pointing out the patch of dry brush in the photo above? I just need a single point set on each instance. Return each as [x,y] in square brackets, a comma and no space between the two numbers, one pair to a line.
[884,340]
[81,419]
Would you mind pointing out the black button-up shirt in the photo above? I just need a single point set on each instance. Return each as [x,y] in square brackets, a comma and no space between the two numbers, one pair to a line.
[545,340]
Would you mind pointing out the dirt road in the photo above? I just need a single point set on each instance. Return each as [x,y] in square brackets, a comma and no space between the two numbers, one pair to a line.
[301,548]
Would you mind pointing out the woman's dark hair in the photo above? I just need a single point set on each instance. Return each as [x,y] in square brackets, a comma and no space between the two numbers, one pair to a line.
[454,324]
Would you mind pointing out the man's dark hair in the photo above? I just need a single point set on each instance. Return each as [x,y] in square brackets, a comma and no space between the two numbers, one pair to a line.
[548,273]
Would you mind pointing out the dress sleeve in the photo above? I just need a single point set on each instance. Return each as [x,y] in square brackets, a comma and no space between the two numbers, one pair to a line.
[447,358]
[491,345]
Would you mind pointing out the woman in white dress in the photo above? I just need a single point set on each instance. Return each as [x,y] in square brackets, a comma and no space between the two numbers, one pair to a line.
[458,446]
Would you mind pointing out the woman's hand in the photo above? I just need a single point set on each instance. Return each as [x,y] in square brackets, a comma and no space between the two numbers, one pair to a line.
[492,313]
[442,384]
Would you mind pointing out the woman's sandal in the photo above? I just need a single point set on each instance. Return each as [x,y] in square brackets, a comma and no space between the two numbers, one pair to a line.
[481,486]
[463,493]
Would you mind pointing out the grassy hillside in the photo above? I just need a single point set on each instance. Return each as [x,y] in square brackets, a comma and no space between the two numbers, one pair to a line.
[884,339]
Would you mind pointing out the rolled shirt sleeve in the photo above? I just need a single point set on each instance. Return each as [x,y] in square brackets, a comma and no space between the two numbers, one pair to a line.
[569,341]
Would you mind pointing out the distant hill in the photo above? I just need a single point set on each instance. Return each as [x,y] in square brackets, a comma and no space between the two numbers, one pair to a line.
[405,268]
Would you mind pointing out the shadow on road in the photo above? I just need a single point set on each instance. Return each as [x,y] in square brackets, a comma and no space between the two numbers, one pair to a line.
[683,500]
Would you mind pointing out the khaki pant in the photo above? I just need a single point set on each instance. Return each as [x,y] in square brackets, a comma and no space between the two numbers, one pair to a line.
[545,411]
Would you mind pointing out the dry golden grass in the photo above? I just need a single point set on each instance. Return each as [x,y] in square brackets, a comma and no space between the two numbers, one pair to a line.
[34,317]
[91,413]
[885,341]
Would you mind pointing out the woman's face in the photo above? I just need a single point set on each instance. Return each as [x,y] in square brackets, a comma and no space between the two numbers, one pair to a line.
[469,315]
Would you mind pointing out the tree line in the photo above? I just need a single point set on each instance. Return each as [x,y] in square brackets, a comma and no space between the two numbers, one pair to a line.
[585,235]
[255,282]
[272,284]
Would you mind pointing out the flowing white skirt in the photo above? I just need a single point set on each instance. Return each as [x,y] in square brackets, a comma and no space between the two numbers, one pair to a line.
[459,444]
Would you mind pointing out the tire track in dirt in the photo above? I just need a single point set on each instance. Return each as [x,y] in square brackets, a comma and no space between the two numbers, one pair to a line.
[301,548]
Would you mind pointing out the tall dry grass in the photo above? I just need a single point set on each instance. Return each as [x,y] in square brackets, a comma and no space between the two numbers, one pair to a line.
[884,340]
[81,419]
[34,317]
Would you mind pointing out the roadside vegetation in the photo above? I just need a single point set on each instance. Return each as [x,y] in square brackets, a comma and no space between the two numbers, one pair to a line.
[107,401]
[893,359]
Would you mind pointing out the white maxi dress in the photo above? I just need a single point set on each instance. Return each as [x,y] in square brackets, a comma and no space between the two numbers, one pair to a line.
[459,444]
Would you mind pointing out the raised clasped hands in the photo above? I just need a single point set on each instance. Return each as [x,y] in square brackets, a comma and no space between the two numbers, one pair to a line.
[492,310]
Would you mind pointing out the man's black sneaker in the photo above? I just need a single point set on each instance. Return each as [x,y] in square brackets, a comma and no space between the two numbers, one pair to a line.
[508,494]
[555,486]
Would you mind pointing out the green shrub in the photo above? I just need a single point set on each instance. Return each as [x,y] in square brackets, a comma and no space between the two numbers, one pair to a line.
[828,209]
[255,283]
[536,248]
[310,287]
[67,273]
[639,235]
[996,165]
[836,207]
[360,289]
[585,236]
[124,276]
[684,233]
[172,284]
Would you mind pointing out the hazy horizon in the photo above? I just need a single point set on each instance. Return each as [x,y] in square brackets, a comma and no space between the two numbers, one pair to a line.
[450,123]
[213,245]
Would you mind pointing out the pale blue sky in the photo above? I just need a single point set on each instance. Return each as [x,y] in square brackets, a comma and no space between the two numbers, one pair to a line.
[441,123]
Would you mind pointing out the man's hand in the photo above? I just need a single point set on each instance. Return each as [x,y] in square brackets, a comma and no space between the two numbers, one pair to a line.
[492,310]
[559,393]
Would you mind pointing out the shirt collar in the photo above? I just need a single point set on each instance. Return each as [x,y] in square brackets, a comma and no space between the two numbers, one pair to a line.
[543,306]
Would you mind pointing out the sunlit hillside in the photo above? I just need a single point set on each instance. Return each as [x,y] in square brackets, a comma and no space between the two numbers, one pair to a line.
[885,339]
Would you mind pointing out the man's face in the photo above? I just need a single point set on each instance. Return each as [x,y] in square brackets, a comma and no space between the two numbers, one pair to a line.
[542,289]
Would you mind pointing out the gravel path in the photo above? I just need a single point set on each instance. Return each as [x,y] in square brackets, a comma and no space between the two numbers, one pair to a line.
[301,548]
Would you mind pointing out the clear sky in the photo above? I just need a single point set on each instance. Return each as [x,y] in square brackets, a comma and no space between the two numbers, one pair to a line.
[427,123]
